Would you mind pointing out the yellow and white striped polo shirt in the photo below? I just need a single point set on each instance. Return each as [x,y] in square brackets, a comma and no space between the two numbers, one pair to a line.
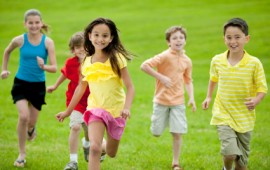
[235,83]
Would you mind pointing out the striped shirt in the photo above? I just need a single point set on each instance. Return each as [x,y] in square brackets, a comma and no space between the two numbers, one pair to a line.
[235,83]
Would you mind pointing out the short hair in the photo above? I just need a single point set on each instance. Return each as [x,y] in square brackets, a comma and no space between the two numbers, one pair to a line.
[174,29]
[77,39]
[236,22]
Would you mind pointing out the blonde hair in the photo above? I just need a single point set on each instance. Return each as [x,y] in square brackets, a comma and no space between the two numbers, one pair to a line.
[35,12]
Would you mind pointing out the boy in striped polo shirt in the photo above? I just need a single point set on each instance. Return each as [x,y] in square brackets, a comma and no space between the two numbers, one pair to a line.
[241,86]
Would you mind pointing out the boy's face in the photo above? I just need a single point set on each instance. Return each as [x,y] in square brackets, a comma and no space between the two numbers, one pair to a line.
[235,39]
[79,51]
[177,41]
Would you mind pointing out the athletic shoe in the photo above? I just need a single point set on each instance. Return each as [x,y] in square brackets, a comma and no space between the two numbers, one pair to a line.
[72,165]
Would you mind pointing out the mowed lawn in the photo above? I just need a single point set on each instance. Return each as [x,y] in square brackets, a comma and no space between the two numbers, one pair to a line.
[142,25]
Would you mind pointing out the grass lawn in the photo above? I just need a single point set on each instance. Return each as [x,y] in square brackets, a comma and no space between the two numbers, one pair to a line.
[142,25]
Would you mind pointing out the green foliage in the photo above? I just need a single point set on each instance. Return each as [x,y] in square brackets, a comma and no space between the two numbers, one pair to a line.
[142,25]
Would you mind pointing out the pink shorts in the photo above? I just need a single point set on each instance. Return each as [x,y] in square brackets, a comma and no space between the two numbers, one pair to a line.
[115,126]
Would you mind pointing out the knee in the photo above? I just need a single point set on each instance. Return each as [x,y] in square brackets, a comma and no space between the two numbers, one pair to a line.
[95,149]
[24,118]
[111,154]
[76,127]
[229,157]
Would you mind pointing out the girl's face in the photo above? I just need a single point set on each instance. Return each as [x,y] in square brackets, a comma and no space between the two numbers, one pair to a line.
[177,41]
[235,39]
[79,51]
[100,36]
[33,24]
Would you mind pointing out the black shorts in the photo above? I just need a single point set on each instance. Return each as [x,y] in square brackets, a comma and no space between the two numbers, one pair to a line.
[34,92]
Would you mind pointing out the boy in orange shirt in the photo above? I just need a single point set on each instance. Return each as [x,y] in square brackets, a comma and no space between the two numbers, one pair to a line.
[173,71]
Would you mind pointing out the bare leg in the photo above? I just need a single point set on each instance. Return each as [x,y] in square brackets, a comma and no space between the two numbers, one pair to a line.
[23,120]
[177,142]
[95,132]
[228,161]
[74,138]
[111,146]
[85,130]
[239,167]
[33,117]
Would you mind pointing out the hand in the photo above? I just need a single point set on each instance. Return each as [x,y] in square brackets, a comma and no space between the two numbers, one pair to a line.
[192,103]
[5,74]
[166,81]
[61,116]
[40,62]
[206,103]
[125,113]
[50,89]
[250,103]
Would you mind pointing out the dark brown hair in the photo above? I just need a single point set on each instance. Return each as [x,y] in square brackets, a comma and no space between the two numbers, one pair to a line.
[236,22]
[114,47]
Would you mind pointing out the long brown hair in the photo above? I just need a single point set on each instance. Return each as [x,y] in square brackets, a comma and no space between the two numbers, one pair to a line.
[114,47]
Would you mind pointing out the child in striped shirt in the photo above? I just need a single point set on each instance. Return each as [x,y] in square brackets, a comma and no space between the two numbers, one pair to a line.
[241,87]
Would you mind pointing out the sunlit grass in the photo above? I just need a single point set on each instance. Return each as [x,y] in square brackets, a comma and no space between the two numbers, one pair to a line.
[142,25]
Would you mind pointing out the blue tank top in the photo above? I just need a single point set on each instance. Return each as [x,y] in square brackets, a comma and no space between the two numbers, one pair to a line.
[28,68]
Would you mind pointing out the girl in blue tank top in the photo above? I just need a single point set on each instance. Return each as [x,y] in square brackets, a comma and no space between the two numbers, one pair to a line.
[28,91]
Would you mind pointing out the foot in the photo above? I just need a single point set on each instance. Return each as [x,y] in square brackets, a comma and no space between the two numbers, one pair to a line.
[86,153]
[31,135]
[102,157]
[19,163]
[72,165]
[176,167]
[85,150]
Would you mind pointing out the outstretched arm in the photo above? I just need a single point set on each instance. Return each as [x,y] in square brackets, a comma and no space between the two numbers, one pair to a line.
[207,101]
[59,81]
[78,93]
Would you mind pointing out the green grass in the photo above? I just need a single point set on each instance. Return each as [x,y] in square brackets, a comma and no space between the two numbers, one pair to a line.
[142,25]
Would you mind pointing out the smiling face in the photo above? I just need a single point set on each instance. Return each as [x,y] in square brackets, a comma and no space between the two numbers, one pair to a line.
[235,39]
[100,36]
[177,41]
[33,24]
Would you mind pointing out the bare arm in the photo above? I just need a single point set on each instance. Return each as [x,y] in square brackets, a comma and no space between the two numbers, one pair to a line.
[207,101]
[52,67]
[59,81]
[190,91]
[149,70]
[78,93]
[251,103]
[15,42]
[129,94]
